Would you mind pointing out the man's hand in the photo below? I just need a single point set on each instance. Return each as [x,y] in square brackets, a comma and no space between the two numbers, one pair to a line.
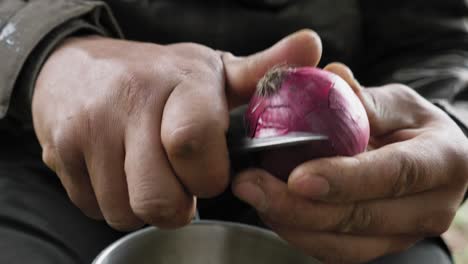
[136,131]
[407,186]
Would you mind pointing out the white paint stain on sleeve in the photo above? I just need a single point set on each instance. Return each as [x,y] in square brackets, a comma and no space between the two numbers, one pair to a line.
[6,33]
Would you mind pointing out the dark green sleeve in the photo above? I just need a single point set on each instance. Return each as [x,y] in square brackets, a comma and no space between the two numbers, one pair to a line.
[421,43]
[29,30]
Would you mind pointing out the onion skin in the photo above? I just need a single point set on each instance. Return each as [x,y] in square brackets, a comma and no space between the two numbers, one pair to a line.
[306,99]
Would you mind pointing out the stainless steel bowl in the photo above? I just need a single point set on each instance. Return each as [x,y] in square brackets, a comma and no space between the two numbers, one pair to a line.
[203,242]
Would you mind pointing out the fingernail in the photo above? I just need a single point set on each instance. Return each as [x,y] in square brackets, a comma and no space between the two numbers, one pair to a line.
[311,186]
[252,194]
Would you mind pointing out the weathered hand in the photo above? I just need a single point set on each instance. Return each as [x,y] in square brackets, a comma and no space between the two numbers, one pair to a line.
[136,130]
[407,186]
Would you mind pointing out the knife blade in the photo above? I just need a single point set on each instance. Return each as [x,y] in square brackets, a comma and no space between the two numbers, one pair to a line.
[240,143]
[245,144]
[243,150]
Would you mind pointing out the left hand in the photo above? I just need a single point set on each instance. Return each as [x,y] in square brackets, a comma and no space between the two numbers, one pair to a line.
[406,187]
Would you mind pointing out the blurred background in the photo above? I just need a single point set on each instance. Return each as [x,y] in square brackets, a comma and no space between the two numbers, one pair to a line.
[457,236]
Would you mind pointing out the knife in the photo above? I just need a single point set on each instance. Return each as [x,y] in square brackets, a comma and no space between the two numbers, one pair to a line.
[244,150]
[239,142]
[244,144]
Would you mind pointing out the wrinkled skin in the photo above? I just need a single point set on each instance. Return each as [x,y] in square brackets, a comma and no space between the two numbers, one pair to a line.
[406,187]
[131,128]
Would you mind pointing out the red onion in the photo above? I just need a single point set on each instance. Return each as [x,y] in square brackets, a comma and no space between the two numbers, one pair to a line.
[306,99]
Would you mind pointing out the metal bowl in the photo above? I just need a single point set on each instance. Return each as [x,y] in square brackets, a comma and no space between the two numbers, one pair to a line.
[203,242]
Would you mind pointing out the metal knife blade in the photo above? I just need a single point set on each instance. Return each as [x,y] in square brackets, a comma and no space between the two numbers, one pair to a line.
[246,144]
[240,143]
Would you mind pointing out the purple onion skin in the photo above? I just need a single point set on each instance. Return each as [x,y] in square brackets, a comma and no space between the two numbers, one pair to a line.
[312,100]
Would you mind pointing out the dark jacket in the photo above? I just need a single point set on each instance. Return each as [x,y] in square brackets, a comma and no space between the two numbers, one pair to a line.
[422,43]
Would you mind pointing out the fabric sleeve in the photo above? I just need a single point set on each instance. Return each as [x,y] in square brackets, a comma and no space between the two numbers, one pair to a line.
[29,31]
[420,43]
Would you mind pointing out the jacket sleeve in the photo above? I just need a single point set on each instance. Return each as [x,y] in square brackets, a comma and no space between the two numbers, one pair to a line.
[421,43]
[29,30]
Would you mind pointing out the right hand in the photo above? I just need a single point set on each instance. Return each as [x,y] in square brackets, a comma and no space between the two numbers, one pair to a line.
[136,131]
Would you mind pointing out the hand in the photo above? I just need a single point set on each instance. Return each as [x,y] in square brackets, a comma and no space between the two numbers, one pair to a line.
[135,131]
[407,186]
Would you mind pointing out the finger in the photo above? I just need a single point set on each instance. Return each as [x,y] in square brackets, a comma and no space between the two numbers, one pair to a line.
[156,196]
[105,161]
[380,217]
[338,248]
[280,208]
[273,201]
[389,108]
[303,48]
[394,107]
[70,166]
[346,74]
[394,170]
[380,128]
[193,132]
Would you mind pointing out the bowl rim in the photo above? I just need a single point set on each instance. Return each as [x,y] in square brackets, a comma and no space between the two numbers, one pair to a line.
[126,238]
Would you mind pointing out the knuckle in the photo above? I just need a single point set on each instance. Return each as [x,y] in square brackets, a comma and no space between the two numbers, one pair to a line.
[48,157]
[195,48]
[205,60]
[401,88]
[408,175]
[404,92]
[160,212]
[358,218]
[205,54]
[62,138]
[187,141]
[69,132]
[133,89]
[117,212]
[399,186]
[417,103]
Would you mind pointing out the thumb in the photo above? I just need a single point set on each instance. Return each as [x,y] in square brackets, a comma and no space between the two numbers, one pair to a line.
[389,108]
[303,48]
